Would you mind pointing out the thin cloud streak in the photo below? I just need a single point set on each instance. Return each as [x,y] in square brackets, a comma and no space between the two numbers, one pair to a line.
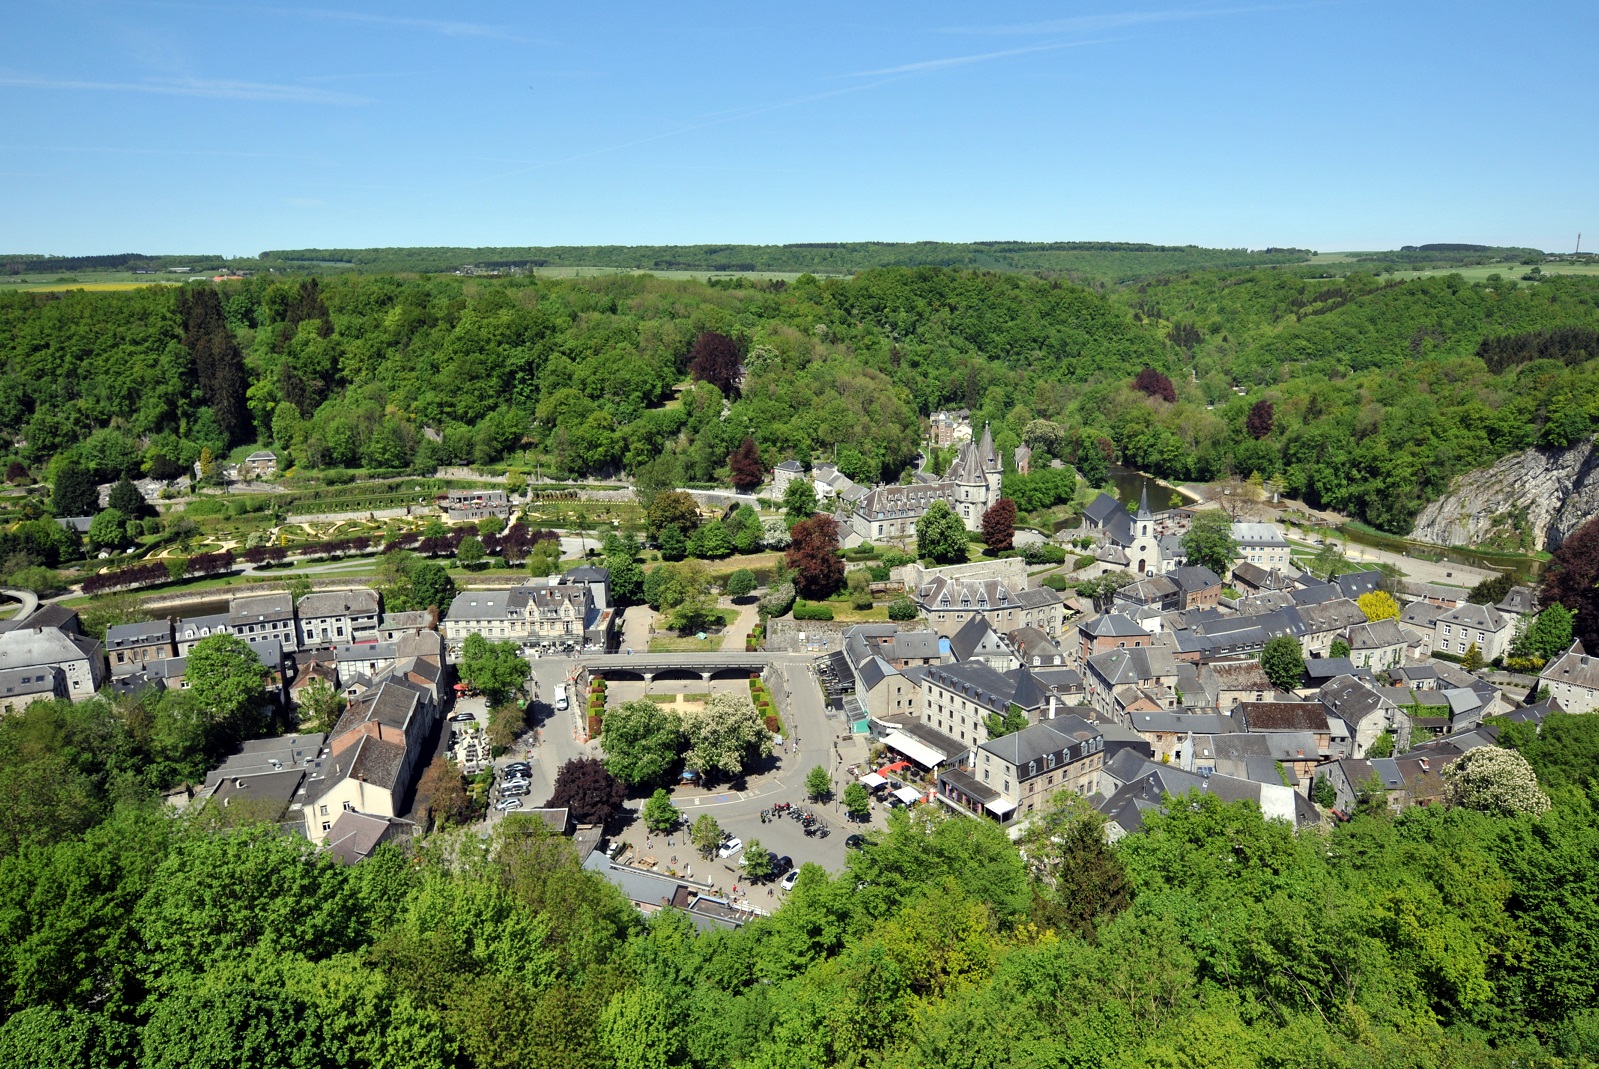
[883,77]
[443,27]
[722,119]
[961,61]
[123,151]
[215,89]
[1119,20]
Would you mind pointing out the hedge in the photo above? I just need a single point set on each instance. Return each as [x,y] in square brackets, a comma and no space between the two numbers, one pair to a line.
[806,611]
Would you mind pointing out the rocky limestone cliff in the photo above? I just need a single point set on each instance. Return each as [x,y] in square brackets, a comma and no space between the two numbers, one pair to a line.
[1527,501]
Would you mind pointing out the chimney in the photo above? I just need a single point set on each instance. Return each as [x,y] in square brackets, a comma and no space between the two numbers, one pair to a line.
[1052,706]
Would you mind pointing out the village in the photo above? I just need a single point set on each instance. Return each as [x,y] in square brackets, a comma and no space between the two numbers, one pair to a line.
[1144,676]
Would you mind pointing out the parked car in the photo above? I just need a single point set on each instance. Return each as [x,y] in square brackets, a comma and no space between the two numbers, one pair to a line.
[505,805]
[462,718]
[855,842]
[515,790]
[789,880]
[781,865]
[518,766]
[730,847]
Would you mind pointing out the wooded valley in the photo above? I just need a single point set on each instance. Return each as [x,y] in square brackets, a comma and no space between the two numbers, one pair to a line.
[1377,391]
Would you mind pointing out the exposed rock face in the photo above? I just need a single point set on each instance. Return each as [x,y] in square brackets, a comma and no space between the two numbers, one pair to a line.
[1528,500]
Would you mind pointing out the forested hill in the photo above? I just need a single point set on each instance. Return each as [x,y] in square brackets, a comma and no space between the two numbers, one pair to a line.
[1368,394]
[1113,261]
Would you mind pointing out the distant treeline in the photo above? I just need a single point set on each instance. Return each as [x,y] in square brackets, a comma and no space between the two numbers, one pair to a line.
[1110,261]
[25,263]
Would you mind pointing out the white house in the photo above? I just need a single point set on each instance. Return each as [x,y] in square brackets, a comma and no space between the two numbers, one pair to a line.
[1573,680]
[1490,629]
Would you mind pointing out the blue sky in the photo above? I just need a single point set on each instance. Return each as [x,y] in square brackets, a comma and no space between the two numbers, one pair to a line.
[1345,124]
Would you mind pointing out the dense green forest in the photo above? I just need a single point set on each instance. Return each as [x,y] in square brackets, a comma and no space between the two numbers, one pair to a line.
[1376,391]
[1442,937]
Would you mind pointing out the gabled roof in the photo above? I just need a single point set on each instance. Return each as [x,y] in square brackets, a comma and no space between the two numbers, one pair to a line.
[1112,625]
[1480,617]
[121,636]
[1354,584]
[339,603]
[1130,665]
[1520,600]
[1376,636]
[1282,716]
[1351,699]
[355,835]
[1036,741]
[975,637]
[1422,614]
[1576,667]
[1319,669]
[1195,577]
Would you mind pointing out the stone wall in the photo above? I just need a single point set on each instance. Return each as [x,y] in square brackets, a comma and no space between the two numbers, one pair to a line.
[1011,570]
[821,636]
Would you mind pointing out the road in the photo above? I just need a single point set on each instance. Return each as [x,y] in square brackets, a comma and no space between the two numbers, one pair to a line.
[30,601]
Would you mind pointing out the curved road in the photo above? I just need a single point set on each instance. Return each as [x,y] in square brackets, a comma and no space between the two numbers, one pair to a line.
[30,601]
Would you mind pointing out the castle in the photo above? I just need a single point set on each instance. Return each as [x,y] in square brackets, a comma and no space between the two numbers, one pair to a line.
[889,513]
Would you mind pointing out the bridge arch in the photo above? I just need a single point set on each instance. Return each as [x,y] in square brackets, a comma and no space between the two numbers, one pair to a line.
[694,674]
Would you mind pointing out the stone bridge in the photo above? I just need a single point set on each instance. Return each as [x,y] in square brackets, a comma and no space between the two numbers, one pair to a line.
[650,667]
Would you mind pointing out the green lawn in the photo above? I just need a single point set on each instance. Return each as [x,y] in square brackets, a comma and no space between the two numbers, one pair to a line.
[672,644]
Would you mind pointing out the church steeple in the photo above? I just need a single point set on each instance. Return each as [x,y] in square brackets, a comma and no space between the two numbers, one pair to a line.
[1143,504]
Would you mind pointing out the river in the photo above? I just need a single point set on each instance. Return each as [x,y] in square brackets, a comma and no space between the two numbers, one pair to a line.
[1130,483]
[1524,568]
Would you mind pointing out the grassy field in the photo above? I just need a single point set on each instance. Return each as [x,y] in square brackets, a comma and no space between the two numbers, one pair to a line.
[1480,272]
[56,287]
[673,644]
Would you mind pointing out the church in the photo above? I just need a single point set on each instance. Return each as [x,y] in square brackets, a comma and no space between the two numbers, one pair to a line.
[1144,543]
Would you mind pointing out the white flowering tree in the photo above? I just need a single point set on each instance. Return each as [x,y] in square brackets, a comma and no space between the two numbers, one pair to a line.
[774,533]
[724,735]
[1494,780]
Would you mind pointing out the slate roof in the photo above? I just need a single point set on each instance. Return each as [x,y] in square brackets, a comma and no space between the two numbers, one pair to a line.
[122,636]
[1034,742]
[261,607]
[1334,615]
[1133,664]
[29,648]
[1195,577]
[1520,600]
[1377,635]
[1111,625]
[1031,643]
[1169,720]
[355,835]
[1479,617]
[1575,667]
[1422,614]
[1354,584]
[1320,669]
[339,603]
[1350,699]
[16,682]
[1283,716]
[973,637]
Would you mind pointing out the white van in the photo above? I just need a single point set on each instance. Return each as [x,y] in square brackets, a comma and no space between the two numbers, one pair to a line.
[560,697]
